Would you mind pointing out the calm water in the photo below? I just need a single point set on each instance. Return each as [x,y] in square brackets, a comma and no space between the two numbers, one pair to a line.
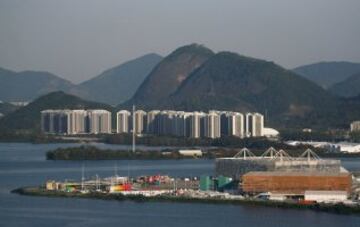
[25,164]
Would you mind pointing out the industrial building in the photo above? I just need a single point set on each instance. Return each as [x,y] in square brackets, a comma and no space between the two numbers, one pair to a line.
[73,122]
[295,183]
[272,160]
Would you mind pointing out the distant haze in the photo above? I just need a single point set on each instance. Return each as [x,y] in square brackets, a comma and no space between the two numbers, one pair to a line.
[78,39]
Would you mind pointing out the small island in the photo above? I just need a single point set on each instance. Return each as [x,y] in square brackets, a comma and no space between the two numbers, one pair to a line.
[194,197]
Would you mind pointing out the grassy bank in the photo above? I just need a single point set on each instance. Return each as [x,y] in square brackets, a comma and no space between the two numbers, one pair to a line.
[94,153]
[331,208]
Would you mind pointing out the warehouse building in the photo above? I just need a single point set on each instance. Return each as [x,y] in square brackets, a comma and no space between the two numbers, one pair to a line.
[295,182]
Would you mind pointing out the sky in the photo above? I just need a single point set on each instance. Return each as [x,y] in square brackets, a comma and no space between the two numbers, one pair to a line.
[78,39]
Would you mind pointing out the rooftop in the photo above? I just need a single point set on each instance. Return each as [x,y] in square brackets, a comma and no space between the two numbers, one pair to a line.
[284,173]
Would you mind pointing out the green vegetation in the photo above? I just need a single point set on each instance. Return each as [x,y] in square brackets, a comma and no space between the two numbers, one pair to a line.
[349,87]
[26,120]
[94,153]
[167,76]
[28,85]
[228,81]
[315,135]
[6,108]
[28,137]
[331,208]
[355,137]
[327,74]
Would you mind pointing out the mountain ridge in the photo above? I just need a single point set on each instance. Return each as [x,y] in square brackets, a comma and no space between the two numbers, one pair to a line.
[328,73]
[27,118]
[171,71]
[347,88]
[119,83]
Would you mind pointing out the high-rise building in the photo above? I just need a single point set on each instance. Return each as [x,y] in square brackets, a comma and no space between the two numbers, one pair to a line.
[153,121]
[195,124]
[56,121]
[100,121]
[355,126]
[79,122]
[235,122]
[254,125]
[212,125]
[140,122]
[74,122]
[123,119]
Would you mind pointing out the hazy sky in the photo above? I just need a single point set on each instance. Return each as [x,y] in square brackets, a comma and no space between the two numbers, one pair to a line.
[78,39]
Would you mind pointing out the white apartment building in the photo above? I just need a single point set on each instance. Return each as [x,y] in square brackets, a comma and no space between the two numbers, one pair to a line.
[72,122]
[212,125]
[123,119]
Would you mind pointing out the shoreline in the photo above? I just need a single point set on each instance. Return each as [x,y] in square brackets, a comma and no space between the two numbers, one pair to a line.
[341,209]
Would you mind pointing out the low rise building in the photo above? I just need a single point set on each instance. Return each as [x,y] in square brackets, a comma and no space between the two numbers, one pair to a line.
[326,196]
[355,126]
[295,182]
[191,153]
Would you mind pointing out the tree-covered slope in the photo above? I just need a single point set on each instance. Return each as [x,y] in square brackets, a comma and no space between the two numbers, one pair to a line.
[168,75]
[28,118]
[327,74]
[347,88]
[28,85]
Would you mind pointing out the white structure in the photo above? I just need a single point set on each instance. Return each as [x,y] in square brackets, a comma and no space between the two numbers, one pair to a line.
[355,126]
[235,123]
[140,120]
[79,122]
[100,121]
[72,122]
[122,121]
[348,147]
[331,147]
[270,132]
[19,103]
[195,124]
[191,153]
[212,125]
[326,196]
[56,121]
[152,124]
[254,125]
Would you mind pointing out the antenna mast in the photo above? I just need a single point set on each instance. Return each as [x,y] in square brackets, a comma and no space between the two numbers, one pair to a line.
[134,128]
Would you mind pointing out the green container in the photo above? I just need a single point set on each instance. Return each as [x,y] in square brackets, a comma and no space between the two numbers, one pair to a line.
[223,181]
[206,183]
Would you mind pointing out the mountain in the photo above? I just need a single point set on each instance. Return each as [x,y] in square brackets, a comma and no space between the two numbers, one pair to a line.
[347,88]
[118,84]
[167,76]
[228,81]
[28,85]
[6,108]
[327,74]
[28,118]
